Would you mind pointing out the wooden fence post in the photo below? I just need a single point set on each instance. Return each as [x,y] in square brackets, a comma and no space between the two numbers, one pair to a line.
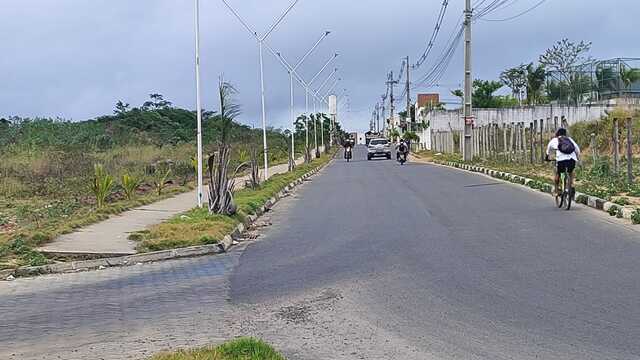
[535,136]
[616,146]
[496,139]
[629,152]
[555,123]
[504,142]
[541,141]
[532,155]
[523,143]
[483,130]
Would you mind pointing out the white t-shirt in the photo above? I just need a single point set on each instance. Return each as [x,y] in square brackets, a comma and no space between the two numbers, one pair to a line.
[560,156]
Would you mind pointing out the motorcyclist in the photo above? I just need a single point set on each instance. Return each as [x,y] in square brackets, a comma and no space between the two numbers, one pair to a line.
[348,147]
[402,149]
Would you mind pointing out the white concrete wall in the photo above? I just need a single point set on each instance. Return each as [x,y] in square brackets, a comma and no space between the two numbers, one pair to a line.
[444,120]
[452,119]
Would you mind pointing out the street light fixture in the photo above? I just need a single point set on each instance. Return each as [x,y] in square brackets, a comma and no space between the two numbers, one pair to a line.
[291,74]
[261,40]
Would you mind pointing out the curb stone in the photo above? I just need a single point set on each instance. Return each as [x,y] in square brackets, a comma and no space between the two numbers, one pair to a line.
[193,251]
[588,200]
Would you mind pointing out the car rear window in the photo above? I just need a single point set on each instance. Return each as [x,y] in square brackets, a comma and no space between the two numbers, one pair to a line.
[379,142]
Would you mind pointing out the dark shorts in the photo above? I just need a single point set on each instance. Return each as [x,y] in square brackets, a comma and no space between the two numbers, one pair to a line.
[566,165]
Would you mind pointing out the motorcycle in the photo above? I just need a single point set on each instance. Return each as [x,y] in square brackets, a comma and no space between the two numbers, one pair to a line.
[402,158]
[347,154]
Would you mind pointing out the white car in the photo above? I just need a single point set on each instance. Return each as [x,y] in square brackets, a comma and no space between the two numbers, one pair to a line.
[379,148]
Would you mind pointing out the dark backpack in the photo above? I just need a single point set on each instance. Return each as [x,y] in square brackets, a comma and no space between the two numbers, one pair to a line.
[565,145]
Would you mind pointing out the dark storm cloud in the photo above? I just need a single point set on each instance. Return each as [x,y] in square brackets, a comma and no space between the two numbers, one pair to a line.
[76,58]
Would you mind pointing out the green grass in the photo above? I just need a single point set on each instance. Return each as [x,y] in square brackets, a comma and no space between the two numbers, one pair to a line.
[240,349]
[198,227]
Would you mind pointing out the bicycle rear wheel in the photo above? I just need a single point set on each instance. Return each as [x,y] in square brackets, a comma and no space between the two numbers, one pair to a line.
[567,194]
[559,195]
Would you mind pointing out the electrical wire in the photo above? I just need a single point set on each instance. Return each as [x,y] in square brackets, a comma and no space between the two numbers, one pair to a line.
[537,5]
[434,35]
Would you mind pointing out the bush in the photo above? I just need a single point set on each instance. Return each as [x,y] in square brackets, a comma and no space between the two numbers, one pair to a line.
[623,201]
[102,185]
[613,211]
[635,217]
[130,184]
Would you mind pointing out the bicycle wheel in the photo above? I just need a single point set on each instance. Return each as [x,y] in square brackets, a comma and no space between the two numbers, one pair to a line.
[567,193]
[559,195]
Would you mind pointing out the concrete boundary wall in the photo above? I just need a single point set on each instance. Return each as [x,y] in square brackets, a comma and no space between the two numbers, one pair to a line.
[447,120]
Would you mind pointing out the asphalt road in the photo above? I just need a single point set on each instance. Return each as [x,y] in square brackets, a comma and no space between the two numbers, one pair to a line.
[371,260]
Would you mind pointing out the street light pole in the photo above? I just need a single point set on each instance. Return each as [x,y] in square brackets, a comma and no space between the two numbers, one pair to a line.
[292,71]
[261,41]
[200,193]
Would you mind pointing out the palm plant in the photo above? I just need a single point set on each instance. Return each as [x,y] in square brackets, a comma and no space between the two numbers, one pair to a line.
[130,184]
[221,181]
[101,185]
[160,178]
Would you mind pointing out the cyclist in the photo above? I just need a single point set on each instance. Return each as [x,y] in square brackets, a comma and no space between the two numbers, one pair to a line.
[567,156]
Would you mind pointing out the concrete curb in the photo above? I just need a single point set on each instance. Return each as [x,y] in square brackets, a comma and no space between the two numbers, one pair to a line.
[625,212]
[227,242]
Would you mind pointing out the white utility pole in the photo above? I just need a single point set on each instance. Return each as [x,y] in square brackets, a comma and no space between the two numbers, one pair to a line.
[292,71]
[468,85]
[306,99]
[261,40]
[198,106]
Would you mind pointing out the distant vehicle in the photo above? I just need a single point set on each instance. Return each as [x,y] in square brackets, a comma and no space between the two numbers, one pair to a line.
[379,148]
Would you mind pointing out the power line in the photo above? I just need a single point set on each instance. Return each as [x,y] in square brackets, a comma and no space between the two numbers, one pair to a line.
[519,14]
[434,35]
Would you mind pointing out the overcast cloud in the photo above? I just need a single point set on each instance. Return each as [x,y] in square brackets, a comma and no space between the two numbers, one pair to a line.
[75,58]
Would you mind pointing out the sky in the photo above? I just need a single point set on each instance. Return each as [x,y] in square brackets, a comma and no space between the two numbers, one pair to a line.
[74,59]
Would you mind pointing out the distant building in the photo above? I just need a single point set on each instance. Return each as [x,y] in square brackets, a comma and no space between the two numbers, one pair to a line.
[427,99]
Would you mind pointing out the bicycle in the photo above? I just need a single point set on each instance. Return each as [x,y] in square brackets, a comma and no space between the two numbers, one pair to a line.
[564,195]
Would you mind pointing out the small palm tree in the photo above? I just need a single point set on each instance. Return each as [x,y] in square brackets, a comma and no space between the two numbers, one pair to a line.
[221,180]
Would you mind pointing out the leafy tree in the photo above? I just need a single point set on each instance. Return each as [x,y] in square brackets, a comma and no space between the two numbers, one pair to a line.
[516,79]
[459,94]
[121,108]
[483,91]
[157,102]
[536,76]
[564,58]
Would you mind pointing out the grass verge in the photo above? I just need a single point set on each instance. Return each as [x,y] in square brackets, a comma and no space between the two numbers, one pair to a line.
[240,349]
[198,227]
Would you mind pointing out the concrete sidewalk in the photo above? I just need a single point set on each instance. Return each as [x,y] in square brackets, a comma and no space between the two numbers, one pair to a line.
[110,237]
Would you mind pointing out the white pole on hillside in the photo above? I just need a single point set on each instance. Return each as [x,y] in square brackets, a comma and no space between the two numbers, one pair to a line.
[198,104]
